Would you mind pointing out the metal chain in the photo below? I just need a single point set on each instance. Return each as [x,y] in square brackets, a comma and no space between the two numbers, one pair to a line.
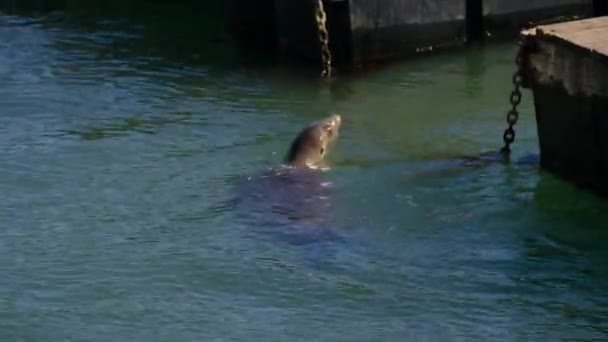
[515,100]
[321,17]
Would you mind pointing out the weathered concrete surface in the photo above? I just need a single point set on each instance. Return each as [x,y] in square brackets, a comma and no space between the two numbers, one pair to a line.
[568,73]
[361,31]
[370,30]
[390,29]
[503,17]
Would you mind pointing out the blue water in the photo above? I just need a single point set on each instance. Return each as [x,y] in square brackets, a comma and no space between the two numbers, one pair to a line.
[124,147]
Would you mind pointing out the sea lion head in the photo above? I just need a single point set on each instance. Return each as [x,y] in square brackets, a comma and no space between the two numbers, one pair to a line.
[312,143]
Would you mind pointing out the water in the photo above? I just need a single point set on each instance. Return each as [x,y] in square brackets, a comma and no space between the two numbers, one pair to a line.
[123,144]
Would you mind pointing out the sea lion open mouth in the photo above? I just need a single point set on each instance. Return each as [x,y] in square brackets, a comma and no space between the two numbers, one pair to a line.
[312,143]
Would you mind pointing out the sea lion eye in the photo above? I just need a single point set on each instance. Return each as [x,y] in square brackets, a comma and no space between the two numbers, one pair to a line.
[322,150]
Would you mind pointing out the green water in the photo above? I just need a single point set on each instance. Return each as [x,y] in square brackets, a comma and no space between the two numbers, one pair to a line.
[123,140]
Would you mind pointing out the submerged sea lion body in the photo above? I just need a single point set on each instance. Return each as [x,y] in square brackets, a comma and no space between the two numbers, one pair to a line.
[292,200]
[289,203]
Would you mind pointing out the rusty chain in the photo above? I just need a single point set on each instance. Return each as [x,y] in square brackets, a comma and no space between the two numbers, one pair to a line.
[515,100]
[321,18]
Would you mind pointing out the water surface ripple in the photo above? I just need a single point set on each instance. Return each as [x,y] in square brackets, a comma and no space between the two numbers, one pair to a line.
[127,213]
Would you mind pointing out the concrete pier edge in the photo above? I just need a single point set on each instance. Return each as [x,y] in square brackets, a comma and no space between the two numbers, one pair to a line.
[567,71]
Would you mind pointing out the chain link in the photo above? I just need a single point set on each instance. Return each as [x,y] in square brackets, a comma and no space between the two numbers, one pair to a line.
[515,100]
[321,18]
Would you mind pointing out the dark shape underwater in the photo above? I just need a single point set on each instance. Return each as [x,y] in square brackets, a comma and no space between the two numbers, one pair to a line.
[291,204]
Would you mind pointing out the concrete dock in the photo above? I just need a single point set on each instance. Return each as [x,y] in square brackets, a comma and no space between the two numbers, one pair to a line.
[362,31]
[398,28]
[567,71]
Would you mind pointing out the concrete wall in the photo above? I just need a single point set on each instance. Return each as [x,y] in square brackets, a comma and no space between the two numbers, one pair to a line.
[494,7]
[507,17]
[570,87]
[370,14]
[572,141]
[392,28]
[371,30]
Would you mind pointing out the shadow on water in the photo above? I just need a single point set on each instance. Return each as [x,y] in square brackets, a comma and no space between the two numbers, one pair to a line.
[189,32]
[453,165]
[117,45]
[182,45]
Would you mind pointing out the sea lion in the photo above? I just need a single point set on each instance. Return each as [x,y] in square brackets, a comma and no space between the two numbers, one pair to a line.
[311,145]
[292,200]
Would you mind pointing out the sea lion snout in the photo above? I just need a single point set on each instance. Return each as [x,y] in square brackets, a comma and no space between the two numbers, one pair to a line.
[336,120]
[312,143]
[331,128]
